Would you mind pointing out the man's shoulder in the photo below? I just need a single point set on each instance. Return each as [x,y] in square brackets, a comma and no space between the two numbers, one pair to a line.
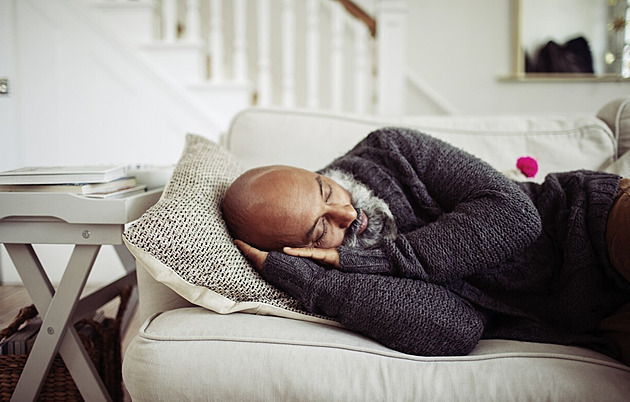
[394,133]
[402,140]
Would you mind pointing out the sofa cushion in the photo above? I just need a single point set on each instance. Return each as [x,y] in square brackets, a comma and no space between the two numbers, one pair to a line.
[558,143]
[617,115]
[245,357]
[183,242]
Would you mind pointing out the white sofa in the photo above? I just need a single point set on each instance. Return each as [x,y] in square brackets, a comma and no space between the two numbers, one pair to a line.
[187,352]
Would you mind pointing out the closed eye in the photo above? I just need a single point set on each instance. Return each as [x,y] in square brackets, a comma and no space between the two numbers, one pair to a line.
[325,198]
[320,239]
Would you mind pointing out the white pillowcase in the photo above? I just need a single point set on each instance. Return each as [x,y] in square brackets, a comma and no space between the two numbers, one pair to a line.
[184,243]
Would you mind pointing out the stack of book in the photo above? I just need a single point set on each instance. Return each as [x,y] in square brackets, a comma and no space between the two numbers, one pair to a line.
[23,339]
[100,181]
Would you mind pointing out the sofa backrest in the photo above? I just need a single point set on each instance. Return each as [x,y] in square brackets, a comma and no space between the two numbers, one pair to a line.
[312,139]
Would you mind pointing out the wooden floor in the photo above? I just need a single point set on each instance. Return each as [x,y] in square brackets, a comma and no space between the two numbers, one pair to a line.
[13,298]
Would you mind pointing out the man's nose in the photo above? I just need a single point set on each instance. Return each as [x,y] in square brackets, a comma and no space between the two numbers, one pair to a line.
[343,215]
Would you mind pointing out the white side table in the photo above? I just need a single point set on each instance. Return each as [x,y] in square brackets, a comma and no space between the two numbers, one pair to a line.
[54,218]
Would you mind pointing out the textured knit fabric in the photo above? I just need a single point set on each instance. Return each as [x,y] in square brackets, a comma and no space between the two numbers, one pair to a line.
[477,255]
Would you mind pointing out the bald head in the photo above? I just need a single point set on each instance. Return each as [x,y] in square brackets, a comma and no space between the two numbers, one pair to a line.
[276,206]
[259,203]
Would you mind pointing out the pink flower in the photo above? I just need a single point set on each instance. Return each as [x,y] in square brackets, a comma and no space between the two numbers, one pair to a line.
[527,165]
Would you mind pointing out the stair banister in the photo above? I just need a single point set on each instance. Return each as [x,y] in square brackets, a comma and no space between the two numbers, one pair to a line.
[356,11]
[365,71]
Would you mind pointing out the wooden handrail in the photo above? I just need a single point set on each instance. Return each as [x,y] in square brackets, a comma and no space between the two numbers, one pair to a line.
[356,11]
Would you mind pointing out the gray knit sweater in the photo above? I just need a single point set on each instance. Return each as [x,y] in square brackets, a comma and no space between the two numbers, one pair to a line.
[477,255]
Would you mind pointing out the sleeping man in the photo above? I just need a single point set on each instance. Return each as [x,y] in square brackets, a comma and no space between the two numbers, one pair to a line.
[427,249]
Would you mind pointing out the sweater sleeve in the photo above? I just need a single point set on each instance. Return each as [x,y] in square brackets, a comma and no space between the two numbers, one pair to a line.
[410,316]
[475,217]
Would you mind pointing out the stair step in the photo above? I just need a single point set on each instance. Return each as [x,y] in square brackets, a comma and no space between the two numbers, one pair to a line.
[225,99]
[182,61]
[133,21]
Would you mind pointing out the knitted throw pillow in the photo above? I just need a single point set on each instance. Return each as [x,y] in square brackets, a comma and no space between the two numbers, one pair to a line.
[183,241]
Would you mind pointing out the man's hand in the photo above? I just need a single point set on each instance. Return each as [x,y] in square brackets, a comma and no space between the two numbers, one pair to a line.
[328,256]
[256,256]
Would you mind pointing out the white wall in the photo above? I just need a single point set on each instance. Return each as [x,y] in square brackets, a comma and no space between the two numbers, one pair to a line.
[461,48]
[78,98]
[10,154]
[10,148]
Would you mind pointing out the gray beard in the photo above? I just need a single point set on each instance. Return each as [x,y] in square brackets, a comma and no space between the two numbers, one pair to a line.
[381,224]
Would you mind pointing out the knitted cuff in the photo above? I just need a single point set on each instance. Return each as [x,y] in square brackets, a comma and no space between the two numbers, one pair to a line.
[371,261]
[290,274]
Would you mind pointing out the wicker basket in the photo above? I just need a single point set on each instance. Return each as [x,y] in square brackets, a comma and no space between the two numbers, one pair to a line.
[100,339]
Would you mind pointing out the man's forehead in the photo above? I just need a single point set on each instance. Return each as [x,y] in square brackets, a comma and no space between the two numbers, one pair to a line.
[287,190]
[287,221]
[290,180]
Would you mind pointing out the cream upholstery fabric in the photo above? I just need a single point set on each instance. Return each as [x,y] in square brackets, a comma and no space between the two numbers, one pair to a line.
[311,140]
[621,166]
[617,115]
[242,357]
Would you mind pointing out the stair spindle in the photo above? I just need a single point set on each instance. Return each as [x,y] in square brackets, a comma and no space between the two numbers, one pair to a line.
[339,37]
[169,20]
[264,52]
[362,67]
[240,41]
[391,17]
[193,21]
[312,53]
[216,41]
[336,59]
[288,53]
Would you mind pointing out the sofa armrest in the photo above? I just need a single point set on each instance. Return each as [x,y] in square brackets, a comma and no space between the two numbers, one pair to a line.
[621,166]
[616,114]
[154,296]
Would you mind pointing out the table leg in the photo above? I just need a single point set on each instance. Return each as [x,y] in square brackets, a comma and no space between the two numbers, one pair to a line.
[57,333]
[129,263]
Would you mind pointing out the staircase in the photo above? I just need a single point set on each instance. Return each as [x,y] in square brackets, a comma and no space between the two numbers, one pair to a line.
[226,55]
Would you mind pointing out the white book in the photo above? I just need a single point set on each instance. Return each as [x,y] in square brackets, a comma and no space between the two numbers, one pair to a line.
[87,188]
[63,174]
[120,193]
